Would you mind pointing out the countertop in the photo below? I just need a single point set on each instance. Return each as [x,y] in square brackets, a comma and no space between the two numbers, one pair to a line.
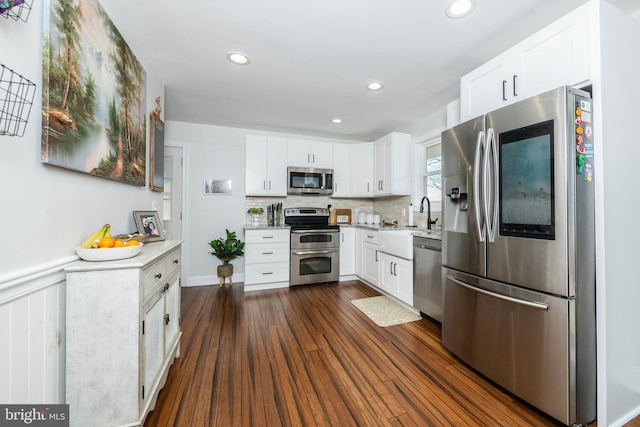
[416,231]
[266,227]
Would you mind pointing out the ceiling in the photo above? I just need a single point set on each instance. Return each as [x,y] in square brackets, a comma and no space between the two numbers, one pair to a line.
[311,60]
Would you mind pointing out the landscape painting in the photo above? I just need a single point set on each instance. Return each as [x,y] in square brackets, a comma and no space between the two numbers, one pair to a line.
[94,92]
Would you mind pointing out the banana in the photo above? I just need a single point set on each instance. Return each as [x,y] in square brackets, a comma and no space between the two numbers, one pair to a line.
[92,241]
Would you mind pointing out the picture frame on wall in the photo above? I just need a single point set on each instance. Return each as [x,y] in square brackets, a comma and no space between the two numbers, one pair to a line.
[156,183]
[222,187]
[148,224]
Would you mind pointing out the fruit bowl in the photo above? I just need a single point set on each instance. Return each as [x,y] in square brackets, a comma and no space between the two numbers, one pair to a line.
[109,254]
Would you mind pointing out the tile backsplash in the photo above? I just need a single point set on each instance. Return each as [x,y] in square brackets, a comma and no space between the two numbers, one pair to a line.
[389,208]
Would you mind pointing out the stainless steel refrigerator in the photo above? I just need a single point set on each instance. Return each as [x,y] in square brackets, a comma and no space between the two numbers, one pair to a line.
[518,250]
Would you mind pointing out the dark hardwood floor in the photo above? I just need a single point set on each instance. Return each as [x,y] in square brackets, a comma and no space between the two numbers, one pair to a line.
[306,356]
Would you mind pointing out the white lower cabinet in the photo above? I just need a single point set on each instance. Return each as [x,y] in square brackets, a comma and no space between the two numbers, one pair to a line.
[370,254]
[122,334]
[389,273]
[266,258]
[396,277]
[347,251]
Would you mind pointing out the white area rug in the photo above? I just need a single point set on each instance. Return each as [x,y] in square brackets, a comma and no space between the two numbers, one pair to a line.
[384,311]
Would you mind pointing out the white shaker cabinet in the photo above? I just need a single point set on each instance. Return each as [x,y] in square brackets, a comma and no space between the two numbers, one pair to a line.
[266,258]
[396,277]
[557,55]
[311,154]
[370,257]
[347,251]
[122,334]
[265,166]
[341,171]
[392,165]
[361,169]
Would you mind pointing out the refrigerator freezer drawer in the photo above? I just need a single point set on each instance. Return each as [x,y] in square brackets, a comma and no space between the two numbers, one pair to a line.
[518,338]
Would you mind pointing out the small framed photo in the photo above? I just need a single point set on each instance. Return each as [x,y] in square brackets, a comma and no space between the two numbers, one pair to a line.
[218,186]
[149,224]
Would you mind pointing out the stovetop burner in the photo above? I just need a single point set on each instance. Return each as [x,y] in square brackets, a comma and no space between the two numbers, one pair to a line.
[308,219]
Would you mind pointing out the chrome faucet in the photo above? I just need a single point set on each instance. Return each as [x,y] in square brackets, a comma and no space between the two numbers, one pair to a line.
[429,222]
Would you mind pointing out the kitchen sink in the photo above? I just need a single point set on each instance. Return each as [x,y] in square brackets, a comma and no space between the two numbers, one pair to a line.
[398,242]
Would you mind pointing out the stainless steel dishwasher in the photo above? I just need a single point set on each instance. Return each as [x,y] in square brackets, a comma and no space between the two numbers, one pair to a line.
[427,276]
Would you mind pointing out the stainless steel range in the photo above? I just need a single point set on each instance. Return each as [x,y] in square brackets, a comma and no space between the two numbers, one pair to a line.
[315,246]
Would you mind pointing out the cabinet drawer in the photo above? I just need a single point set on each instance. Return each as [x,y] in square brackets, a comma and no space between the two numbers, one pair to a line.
[266,273]
[172,262]
[267,236]
[264,253]
[154,277]
[369,236]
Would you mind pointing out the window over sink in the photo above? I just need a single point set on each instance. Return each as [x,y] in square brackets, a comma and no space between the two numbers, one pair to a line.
[428,178]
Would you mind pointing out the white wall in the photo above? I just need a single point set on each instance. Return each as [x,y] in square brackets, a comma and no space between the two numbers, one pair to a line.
[618,201]
[46,212]
[212,152]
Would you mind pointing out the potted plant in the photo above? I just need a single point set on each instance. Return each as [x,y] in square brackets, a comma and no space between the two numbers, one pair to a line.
[255,213]
[226,249]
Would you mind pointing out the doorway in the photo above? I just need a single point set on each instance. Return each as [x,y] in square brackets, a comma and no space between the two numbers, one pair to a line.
[172,196]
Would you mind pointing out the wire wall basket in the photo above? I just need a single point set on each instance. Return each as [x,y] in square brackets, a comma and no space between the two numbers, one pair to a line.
[16,99]
[15,9]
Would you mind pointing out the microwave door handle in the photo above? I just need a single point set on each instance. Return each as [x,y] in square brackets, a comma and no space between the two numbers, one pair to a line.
[491,185]
[480,225]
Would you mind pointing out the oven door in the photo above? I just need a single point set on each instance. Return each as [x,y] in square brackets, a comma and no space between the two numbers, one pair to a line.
[315,239]
[314,266]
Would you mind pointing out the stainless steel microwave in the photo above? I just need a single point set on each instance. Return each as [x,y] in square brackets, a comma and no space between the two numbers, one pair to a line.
[309,181]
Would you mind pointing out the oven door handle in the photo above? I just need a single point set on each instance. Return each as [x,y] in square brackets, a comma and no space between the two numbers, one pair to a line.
[314,231]
[330,251]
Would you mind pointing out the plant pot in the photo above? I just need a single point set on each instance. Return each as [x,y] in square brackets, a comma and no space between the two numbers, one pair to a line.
[255,220]
[225,270]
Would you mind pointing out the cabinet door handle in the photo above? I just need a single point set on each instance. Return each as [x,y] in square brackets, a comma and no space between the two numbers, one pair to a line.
[269,185]
[267,273]
[515,79]
[368,187]
[267,253]
[267,237]
[308,158]
[167,319]
[313,156]
[376,256]
[395,269]
[175,261]
[391,268]
[504,90]
[159,276]
[264,184]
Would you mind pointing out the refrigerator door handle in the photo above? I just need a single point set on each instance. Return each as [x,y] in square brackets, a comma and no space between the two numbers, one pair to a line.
[491,186]
[480,224]
[530,304]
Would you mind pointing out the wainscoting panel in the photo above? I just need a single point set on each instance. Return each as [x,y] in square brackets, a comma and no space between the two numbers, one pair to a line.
[32,336]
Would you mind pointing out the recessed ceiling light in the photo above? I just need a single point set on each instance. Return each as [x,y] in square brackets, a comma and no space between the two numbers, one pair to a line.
[374,86]
[460,8]
[238,58]
[336,121]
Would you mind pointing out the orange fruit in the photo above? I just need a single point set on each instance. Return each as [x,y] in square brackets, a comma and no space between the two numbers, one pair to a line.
[119,244]
[107,242]
[132,243]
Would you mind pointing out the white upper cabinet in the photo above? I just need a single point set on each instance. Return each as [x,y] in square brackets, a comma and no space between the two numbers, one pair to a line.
[341,171]
[311,154]
[361,169]
[266,166]
[555,56]
[392,167]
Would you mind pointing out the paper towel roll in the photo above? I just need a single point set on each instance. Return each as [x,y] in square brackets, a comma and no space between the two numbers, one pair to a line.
[410,214]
